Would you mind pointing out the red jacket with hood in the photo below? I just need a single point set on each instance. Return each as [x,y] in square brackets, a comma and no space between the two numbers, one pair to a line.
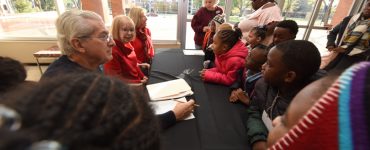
[227,65]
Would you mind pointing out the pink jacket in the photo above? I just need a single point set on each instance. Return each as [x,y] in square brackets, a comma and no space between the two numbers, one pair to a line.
[227,65]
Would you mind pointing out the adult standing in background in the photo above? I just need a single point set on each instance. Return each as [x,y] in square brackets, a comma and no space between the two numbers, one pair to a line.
[201,19]
[266,11]
[142,43]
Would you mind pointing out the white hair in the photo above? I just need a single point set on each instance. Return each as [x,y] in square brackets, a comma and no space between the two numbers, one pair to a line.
[73,24]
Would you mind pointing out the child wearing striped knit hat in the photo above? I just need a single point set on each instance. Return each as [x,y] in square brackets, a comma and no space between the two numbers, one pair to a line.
[339,119]
[214,25]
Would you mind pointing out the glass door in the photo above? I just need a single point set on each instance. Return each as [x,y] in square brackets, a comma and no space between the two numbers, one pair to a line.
[312,17]
[162,18]
[192,7]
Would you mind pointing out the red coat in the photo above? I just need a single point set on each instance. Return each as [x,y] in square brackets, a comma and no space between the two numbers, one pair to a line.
[124,64]
[143,46]
[202,19]
[227,65]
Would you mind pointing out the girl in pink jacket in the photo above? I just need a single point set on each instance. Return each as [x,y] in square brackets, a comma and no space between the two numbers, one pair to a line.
[230,54]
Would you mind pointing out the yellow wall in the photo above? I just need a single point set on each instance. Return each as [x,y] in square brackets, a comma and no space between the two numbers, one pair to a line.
[23,50]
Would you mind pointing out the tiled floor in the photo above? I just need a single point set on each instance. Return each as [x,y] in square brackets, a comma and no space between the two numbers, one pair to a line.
[33,72]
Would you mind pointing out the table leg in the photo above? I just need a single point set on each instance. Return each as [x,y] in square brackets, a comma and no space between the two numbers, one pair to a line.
[38,64]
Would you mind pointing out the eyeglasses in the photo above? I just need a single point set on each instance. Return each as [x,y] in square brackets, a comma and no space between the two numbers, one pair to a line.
[106,38]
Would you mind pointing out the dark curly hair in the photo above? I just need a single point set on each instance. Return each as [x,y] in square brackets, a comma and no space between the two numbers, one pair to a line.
[291,25]
[260,31]
[12,73]
[88,111]
[230,37]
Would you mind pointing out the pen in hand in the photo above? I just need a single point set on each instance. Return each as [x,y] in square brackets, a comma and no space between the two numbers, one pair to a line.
[185,102]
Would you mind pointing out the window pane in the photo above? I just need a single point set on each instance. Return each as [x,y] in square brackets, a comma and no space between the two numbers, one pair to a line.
[318,37]
[162,17]
[31,19]
[194,5]
[240,9]
[72,4]
[300,11]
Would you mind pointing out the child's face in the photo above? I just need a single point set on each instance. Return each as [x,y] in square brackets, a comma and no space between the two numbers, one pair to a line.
[143,20]
[274,70]
[300,104]
[252,39]
[127,32]
[213,26]
[217,46]
[281,35]
[255,59]
[209,4]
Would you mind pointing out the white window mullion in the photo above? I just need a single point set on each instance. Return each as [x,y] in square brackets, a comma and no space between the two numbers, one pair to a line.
[60,6]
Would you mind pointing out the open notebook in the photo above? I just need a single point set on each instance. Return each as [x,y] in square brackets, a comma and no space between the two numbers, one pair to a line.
[169,90]
[163,95]
[161,107]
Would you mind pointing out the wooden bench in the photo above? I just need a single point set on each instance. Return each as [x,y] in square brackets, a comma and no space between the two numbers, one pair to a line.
[51,52]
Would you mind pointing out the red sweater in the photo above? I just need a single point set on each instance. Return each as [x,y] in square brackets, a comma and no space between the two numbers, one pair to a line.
[200,20]
[227,65]
[124,63]
[143,45]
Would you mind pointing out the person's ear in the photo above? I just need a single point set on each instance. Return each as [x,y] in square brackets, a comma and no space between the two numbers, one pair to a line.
[290,77]
[77,45]
[225,47]
[259,39]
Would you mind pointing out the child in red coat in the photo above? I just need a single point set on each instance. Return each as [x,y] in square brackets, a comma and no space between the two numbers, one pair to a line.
[230,53]
[124,64]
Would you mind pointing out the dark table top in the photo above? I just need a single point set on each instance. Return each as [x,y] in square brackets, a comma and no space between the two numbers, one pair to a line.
[219,124]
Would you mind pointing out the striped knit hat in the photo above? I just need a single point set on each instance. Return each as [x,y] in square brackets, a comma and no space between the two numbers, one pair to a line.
[339,120]
[218,19]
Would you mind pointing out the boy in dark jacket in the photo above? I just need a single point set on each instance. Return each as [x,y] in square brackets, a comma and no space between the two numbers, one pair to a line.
[290,66]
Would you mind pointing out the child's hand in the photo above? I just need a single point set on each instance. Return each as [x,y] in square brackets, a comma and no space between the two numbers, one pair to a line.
[144,80]
[144,65]
[233,97]
[242,96]
[206,29]
[202,73]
